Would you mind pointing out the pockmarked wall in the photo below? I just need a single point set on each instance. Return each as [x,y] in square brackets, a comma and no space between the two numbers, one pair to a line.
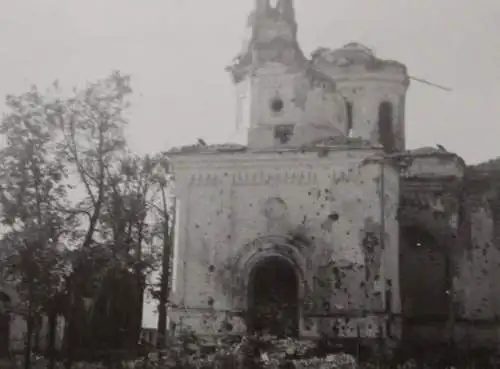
[334,210]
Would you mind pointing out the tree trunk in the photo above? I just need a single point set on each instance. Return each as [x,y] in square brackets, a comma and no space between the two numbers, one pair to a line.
[162,304]
[68,339]
[164,285]
[51,341]
[140,307]
[29,336]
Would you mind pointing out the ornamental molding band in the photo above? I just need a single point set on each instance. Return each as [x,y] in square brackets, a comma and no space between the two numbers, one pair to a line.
[275,176]
[253,178]
[292,177]
[205,180]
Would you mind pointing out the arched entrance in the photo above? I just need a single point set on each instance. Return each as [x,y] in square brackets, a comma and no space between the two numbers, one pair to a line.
[4,324]
[273,294]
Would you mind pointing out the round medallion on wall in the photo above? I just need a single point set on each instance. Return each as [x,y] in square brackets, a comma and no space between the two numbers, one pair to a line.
[275,209]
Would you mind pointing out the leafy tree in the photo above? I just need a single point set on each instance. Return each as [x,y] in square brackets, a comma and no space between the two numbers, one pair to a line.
[32,196]
[83,213]
[128,228]
[91,124]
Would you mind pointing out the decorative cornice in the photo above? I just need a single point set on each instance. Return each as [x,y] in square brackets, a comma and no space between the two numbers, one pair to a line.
[330,143]
[327,158]
[201,149]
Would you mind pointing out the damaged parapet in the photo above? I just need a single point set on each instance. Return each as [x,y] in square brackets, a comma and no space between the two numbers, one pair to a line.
[271,36]
[374,90]
[357,61]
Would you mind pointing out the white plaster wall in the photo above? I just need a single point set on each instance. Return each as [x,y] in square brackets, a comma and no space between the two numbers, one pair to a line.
[223,198]
[390,259]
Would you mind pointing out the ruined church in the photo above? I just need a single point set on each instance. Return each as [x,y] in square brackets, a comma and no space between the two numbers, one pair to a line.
[324,223]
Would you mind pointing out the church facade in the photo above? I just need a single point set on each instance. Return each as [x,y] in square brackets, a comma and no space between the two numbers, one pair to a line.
[324,224]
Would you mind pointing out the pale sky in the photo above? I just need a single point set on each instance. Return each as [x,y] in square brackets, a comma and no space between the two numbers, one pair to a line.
[176,51]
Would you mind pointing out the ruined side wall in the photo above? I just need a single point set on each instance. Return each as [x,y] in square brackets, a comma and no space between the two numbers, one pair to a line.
[479,280]
[463,208]
[477,284]
[331,202]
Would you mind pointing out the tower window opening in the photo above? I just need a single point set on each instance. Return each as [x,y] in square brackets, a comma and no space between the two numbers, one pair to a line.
[283,133]
[385,126]
[277,105]
[348,108]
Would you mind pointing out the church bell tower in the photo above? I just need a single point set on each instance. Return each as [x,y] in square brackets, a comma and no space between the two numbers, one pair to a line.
[281,100]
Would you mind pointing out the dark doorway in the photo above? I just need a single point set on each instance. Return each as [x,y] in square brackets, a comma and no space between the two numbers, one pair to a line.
[4,324]
[424,275]
[273,298]
[425,284]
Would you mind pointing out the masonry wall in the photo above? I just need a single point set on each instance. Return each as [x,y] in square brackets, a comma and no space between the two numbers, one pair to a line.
[330,200]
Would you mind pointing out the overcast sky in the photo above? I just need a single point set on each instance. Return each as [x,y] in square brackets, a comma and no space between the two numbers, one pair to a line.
[176,51]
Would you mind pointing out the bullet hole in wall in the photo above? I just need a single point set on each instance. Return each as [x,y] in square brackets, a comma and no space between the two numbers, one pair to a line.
[210,301]
[333,217]
[211,268]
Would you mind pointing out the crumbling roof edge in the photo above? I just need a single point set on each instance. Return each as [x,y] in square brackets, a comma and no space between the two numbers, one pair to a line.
[220,149]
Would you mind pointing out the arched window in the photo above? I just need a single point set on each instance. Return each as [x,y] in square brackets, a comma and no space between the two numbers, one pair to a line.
[348,108]
[4,324]
[386,126]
